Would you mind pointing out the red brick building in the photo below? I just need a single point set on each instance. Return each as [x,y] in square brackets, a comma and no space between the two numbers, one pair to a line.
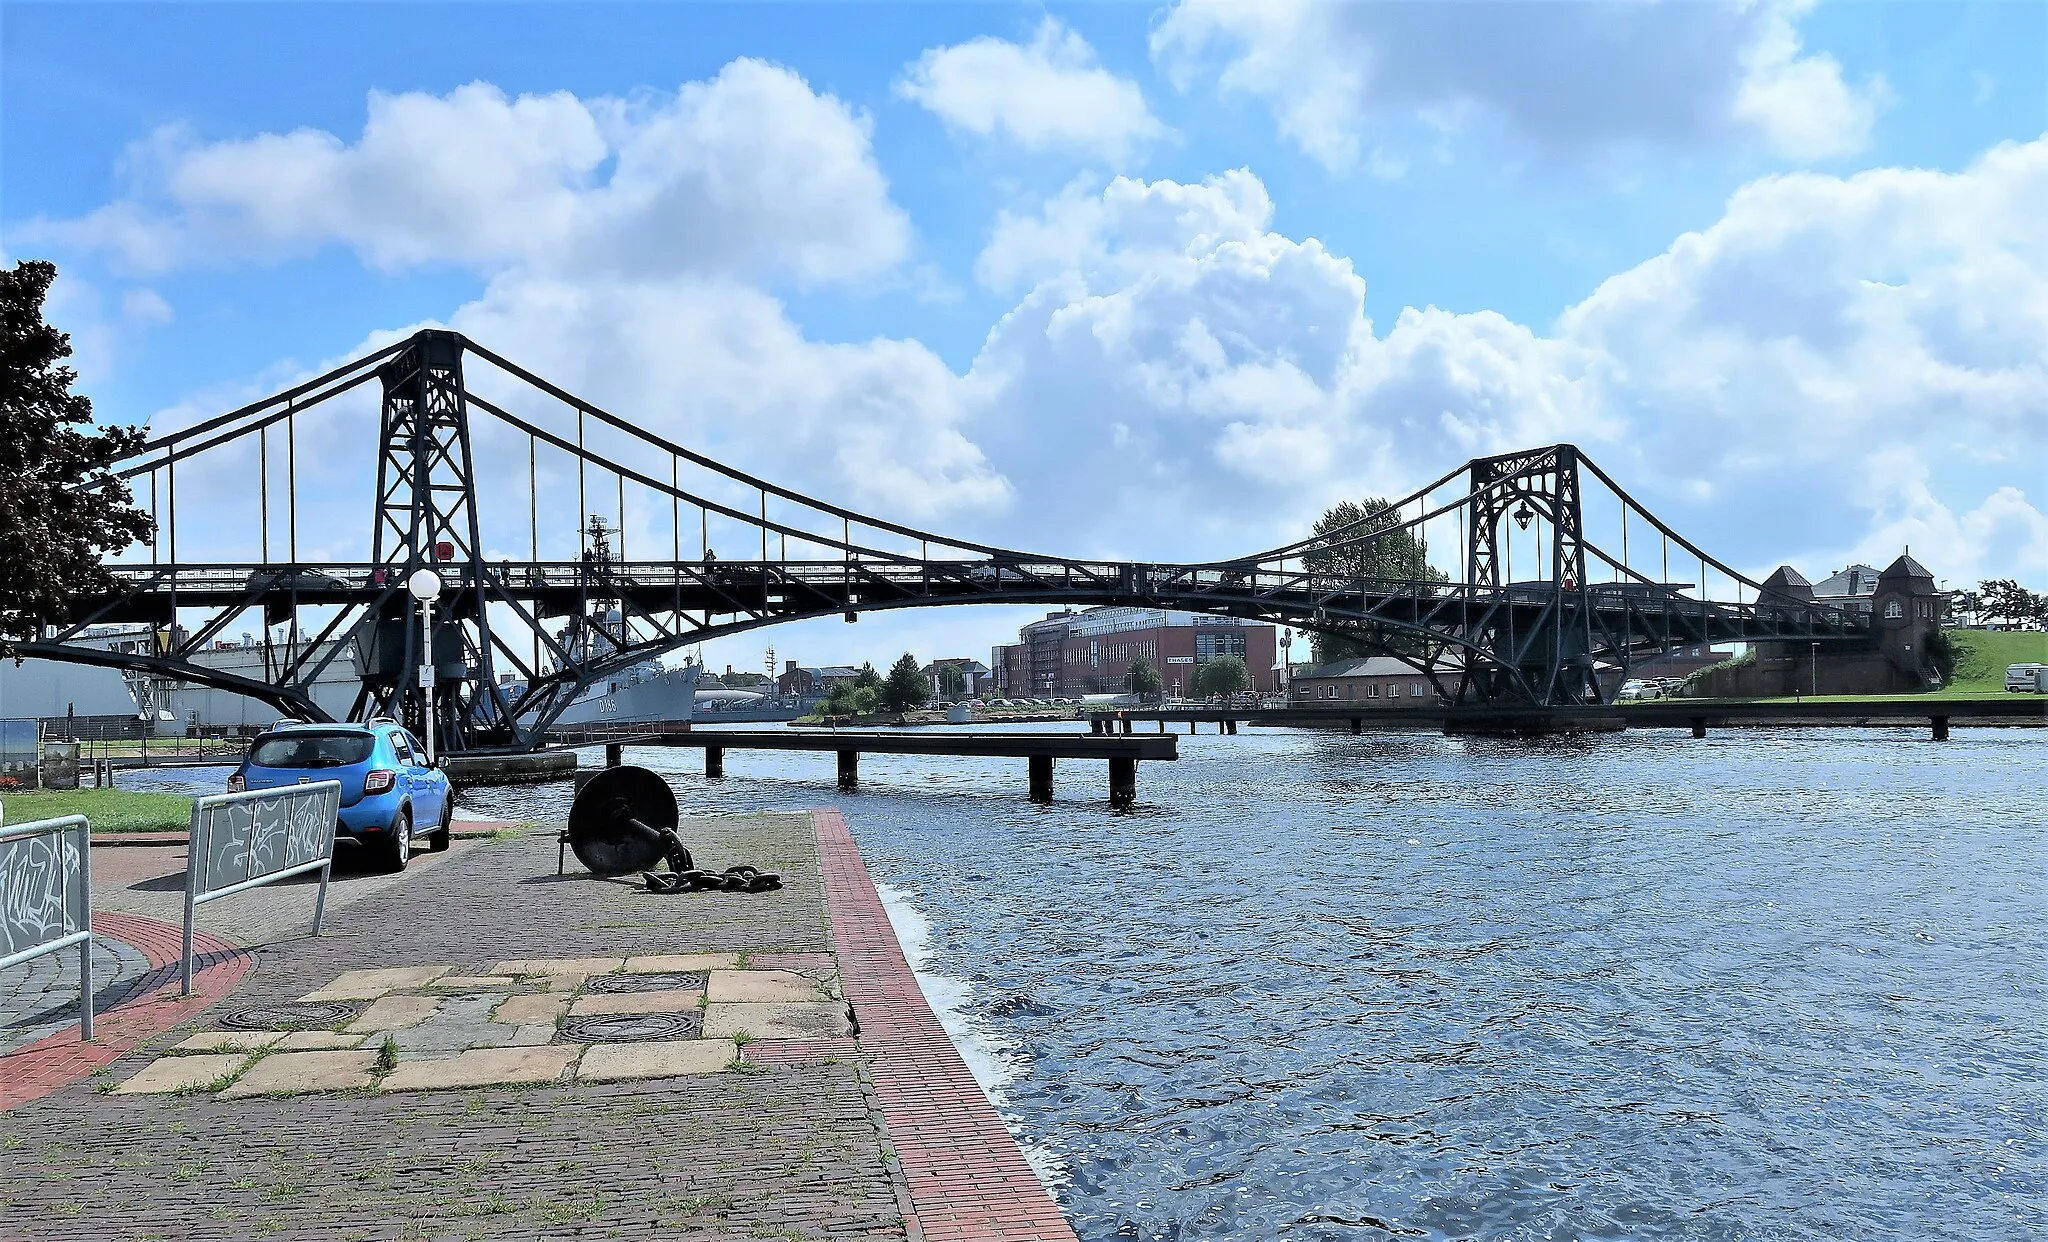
[1070,654]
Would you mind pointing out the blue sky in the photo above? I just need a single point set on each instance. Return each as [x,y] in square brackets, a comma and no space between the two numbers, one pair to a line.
[1781,266]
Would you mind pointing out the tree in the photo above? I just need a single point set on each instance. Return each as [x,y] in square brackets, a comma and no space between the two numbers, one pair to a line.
[849,699]
[1342,549]
[868,677]
[906,686]
[1224,675]
[2003,597]
[55,530]
[952,682]
[1142,679]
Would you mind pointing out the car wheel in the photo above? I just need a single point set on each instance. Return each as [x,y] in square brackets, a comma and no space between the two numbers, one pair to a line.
[437,840]
[398,842]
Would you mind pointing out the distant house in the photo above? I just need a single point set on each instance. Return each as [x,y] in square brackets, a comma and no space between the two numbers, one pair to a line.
[813,683]
[1371,681]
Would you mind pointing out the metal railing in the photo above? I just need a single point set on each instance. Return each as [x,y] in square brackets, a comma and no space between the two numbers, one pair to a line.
[46,898]
[242,841]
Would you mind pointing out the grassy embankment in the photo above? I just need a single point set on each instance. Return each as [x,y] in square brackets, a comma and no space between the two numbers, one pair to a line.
[109,810]
[1980,666]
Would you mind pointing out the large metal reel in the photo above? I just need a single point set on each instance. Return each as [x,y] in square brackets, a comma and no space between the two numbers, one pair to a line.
[616,822]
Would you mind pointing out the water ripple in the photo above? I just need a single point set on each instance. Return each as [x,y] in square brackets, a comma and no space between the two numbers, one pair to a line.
[1765,985]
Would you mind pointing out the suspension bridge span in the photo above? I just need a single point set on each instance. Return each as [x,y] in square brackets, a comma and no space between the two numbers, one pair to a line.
[1559,572]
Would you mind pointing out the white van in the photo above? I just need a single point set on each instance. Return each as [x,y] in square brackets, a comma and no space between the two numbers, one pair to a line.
[2021,677]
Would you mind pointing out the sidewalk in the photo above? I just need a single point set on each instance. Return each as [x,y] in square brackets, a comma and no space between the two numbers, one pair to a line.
[471,1070]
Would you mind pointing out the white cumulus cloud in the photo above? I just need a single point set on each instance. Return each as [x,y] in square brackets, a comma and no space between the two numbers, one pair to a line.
[1048,94]
[1575,78]
[750,173]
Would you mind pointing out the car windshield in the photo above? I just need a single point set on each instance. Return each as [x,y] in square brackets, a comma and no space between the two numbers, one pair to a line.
[310,750]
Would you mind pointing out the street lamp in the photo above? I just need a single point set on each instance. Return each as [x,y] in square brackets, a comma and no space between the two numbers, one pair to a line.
[1815,691]
[425,585]
[1287,664]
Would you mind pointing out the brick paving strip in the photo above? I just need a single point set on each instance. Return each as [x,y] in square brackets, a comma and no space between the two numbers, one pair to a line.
[785,1141]
[148,1006]
[966,1177]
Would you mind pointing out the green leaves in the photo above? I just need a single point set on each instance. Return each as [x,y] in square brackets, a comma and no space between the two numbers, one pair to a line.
[54,531]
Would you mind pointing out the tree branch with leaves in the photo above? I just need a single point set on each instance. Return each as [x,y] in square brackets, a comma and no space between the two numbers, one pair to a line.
[61,510]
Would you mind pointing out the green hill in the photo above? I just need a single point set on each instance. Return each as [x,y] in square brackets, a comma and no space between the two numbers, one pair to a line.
[1981,657]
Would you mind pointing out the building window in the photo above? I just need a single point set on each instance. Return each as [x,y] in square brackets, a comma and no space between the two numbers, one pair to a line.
[1892,611]
[1417,690]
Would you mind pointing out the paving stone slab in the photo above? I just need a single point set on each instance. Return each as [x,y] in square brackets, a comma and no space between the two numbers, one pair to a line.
[663,963]
[760,985]
[665,1058]
[393,1013]
[559,966]
[462,1021]
[181,1073]
[316,1041]
[777,1019]
[666,1000]
[227,1041]
[533,1010]
[371,984]
[474,982]
[296,1073]
[484,1067]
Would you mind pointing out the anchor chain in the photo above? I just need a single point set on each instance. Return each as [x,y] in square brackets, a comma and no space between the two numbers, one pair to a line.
[736,879]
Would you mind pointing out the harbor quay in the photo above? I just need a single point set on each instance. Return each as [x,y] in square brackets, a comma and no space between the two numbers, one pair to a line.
[480,1048]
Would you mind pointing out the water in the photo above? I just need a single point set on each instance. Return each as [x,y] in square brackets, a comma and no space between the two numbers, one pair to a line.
[1769,985]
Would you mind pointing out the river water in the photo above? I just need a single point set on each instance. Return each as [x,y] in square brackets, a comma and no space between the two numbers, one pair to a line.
[1768,985]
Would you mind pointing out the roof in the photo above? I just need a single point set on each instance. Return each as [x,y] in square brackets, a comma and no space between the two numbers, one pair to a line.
[1906,567]
[1366,666]
[1786,576]
[1854,580]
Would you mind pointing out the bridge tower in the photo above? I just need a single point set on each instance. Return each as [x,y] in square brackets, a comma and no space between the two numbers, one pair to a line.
[1540,635]
[426,519]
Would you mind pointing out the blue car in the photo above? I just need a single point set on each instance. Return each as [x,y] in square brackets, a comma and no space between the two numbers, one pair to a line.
[389,793]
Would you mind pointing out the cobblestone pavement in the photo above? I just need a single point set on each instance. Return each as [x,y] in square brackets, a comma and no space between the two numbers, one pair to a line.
[40,997]
[773,1150]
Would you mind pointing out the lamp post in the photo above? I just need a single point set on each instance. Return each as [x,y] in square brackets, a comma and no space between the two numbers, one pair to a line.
[1815,690]
[425,585]
[1287,665]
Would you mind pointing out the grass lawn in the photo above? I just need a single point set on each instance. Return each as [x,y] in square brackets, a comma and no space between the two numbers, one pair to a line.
[110,810]
[1980,667]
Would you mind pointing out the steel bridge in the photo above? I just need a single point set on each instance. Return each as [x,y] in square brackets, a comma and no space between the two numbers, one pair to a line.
[457,424]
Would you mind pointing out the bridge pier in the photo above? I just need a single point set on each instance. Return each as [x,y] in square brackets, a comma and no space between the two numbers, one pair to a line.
[849,770]
[1941,728]
[714,761]
[1230,727]
[613,753]
[1123,781]
[1699,726]
[1357,724]
[1041,777]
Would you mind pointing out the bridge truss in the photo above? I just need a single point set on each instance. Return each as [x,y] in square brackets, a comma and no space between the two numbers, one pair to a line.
[1541,602]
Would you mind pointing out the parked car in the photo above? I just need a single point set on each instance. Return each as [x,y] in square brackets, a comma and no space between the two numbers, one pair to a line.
[2020,678]
[1634,691]
[388,789]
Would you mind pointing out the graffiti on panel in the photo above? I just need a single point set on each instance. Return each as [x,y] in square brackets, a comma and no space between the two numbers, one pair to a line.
[42,890]
[252,837]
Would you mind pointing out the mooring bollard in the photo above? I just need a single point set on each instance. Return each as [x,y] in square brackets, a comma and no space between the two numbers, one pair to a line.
[714,761]
[849,769]
[1041,777]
